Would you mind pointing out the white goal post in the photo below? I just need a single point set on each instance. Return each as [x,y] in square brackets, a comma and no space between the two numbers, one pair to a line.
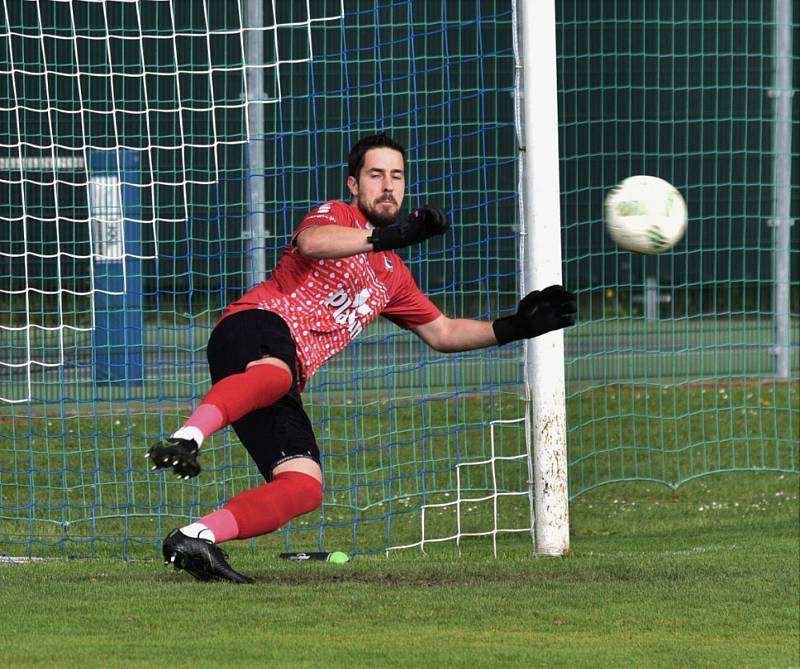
[540,231]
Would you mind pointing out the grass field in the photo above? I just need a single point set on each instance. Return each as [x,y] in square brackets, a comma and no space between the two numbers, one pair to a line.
[705,577]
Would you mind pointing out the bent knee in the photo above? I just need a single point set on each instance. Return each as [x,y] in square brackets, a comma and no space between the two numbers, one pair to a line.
[302,465]
[315,496]
[270,360]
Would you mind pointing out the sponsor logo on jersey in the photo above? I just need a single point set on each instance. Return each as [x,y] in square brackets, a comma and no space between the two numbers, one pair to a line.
[345,309]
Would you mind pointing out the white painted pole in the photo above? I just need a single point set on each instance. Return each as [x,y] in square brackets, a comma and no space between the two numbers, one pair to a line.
[255,232]
[782,185]
[541,228]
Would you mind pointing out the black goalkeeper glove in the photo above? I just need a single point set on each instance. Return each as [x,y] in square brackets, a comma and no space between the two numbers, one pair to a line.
[421,224]
[540,311]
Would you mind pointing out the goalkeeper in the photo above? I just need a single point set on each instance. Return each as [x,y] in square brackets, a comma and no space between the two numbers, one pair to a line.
[338,274]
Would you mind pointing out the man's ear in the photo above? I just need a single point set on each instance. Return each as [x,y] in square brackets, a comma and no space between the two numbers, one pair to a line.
[352,185]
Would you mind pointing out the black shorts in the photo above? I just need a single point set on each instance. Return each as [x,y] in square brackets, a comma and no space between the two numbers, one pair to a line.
[279,432]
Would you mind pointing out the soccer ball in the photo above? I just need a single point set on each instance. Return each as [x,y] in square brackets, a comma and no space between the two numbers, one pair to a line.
[645,214]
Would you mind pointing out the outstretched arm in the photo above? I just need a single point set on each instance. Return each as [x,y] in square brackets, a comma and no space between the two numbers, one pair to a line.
[538,312]
[336,241]
[332,241]
[450,335]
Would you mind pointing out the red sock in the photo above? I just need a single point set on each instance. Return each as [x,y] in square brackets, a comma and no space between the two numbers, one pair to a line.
[237,395]
[266,508]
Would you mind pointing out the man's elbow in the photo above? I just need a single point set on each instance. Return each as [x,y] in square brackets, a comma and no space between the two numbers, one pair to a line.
[440,342]
[307,244]
[436,345]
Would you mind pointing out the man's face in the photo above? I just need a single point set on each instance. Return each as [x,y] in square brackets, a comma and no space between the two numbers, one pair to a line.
[378,191]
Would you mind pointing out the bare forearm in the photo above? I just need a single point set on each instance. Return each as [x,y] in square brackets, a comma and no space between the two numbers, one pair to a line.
[460,334]
[332,241]
[467,334]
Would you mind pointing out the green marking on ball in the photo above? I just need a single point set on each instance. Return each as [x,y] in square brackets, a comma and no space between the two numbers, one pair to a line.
[337,557]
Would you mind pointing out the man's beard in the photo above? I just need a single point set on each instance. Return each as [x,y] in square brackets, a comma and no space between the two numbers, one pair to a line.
[377,217]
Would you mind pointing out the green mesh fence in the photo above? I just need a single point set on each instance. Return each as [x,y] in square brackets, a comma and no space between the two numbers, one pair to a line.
[672,370]
[200,133]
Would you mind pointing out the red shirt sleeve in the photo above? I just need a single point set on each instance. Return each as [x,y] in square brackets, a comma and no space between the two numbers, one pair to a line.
[408,306]
[332,212]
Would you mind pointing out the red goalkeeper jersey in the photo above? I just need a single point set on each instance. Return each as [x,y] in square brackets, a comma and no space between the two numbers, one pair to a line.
[326,303]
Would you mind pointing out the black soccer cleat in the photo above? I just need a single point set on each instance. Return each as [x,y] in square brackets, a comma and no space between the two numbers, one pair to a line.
[180,454]
[201,558]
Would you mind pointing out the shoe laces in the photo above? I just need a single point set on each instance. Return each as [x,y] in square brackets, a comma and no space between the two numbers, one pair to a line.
[215,547]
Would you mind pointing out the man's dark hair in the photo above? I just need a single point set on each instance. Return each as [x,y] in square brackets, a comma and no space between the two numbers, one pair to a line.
[355,160]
